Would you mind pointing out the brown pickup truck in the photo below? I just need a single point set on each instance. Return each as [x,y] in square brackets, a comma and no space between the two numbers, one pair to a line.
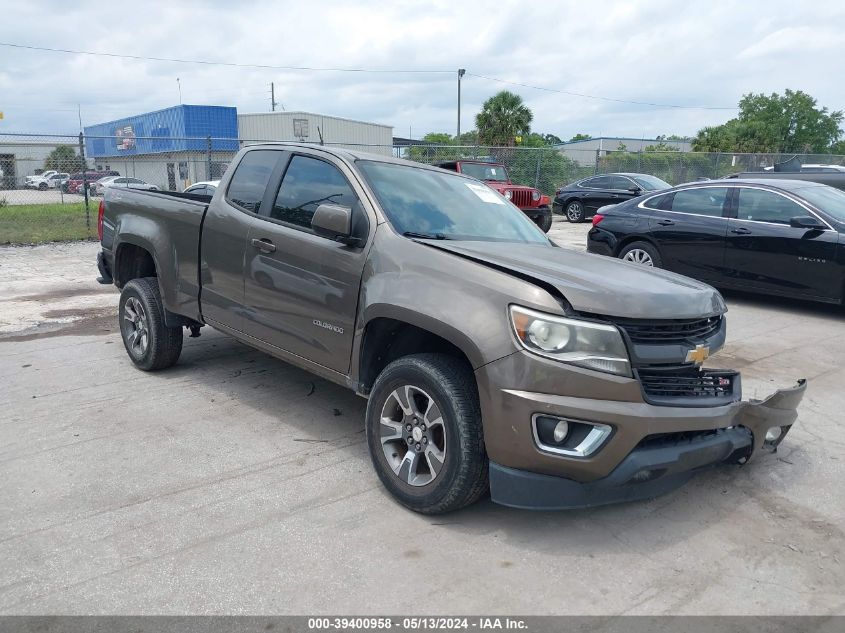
[490,357]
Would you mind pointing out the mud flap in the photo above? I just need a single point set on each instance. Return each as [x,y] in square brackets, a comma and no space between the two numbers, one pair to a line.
[779,409]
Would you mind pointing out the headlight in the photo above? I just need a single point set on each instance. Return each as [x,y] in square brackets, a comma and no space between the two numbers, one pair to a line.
[596,346]
[535,195]
[508,194]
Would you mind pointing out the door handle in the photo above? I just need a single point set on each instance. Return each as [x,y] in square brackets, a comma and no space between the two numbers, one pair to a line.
[741,231]
[665,222]
[264,245]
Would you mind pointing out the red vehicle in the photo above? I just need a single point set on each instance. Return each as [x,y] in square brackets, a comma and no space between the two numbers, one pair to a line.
[529,200]
[74,183]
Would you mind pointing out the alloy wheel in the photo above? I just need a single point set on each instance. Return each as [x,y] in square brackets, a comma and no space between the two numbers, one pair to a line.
[638,256]
[573,211]
[135,328]
[413,435]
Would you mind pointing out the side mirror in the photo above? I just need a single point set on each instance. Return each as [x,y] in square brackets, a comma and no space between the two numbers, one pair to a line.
[334,222]
[806,222]
[635,190]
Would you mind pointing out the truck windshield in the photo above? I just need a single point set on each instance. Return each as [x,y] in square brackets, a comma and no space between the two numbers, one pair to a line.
[496,173]
[424,202]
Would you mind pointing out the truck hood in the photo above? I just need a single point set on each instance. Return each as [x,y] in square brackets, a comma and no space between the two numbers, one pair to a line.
[498,185]
[597,284]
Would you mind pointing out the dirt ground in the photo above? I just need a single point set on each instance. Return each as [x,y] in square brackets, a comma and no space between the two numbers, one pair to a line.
[235,483]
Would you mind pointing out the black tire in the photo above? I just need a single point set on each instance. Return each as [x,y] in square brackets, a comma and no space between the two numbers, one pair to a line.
[164,344]
[545,222]
[574,211]
[630,253]
[463,476]
[42,186]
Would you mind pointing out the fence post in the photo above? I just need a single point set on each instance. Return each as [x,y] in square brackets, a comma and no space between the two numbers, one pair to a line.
[208,156]
[716,166]
[596,166]
[84,181]
[537,175]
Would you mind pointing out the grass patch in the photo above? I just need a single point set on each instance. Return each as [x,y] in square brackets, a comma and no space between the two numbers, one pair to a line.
[34,223]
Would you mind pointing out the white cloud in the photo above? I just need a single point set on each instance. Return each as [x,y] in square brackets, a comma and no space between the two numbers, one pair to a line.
[655,51]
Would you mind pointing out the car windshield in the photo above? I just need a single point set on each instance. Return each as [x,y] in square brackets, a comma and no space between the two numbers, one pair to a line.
[481,171]
[651,183]
[426,203]
[828,199]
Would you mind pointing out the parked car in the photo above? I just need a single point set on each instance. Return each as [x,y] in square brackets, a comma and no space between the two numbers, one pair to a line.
[74,183]
[581,199]
[813,168]
[53,181]
[527,199]
[780,237]
[30,182]
[488,356]
[205,188]
[123,182]
[830,178]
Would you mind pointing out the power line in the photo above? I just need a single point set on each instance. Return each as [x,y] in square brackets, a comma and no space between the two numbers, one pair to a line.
[359,70]
[588,96]
[232,64]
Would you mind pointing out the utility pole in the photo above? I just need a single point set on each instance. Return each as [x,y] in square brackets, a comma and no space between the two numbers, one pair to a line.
[179,85]
[273,103]
[461,72]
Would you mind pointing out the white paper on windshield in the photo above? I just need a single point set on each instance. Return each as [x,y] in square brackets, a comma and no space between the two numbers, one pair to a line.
[485,193]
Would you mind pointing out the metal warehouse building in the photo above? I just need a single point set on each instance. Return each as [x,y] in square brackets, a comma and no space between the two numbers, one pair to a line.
[167,148]
[585,151]
[316,128]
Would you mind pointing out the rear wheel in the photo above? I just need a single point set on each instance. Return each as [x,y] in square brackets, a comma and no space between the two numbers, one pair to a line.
[424,433]
[149,342]
[575,211]
[641,253]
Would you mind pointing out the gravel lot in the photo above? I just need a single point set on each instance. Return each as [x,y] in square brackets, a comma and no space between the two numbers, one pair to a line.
[235,483]
[36,196]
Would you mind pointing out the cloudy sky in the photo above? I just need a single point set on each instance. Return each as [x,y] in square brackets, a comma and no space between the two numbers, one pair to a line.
[649,51]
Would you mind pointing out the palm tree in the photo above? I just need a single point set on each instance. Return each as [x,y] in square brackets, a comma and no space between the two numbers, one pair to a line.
[503,117]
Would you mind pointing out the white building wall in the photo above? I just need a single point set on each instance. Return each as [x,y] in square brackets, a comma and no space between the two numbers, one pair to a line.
[337,132]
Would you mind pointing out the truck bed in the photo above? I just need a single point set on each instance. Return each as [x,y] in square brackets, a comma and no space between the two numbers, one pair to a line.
[165,223]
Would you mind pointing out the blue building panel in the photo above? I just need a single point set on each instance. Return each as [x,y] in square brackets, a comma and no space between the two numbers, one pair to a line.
[181,128]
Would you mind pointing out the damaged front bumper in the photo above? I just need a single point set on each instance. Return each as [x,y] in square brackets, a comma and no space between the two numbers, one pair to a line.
[660,462]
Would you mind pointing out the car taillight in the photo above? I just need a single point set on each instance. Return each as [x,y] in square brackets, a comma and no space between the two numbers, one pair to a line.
[100,210]
[597,218]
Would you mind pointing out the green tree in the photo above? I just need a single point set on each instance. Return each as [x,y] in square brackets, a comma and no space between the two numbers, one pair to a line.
[441,138]
[64,158]
[552,139]
[580,137]
[788,123]
[503,117]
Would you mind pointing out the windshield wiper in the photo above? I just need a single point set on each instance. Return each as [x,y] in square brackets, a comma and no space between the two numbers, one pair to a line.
[426,236]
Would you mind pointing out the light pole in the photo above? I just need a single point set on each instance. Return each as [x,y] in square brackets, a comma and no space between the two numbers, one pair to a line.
[461,72]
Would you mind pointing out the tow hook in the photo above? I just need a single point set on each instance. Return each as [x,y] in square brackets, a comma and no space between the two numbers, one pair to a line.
[195,330]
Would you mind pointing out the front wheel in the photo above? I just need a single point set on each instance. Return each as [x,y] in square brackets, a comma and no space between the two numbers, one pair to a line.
[545,222]
[149,342]
[641,253]
[575,211]
[424,433]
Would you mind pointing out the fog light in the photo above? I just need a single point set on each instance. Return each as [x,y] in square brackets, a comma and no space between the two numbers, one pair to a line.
[772,435]
[561,431]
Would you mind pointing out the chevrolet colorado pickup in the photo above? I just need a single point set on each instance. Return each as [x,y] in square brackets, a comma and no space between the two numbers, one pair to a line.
[491,358]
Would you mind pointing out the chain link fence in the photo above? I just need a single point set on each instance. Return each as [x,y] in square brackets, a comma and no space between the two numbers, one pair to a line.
[50,185]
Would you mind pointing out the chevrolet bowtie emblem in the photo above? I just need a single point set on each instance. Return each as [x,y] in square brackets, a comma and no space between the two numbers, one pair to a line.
[698,355]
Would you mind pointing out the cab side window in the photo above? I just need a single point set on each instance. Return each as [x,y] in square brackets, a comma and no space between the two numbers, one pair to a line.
[308,183]
[765,206]
[249,182]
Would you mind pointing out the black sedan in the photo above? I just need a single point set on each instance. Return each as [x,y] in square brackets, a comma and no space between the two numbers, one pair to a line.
[581,199]
[780,237]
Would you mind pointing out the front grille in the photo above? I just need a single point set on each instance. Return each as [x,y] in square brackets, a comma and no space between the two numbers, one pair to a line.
[521,197]
[687,382]
[670,331]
